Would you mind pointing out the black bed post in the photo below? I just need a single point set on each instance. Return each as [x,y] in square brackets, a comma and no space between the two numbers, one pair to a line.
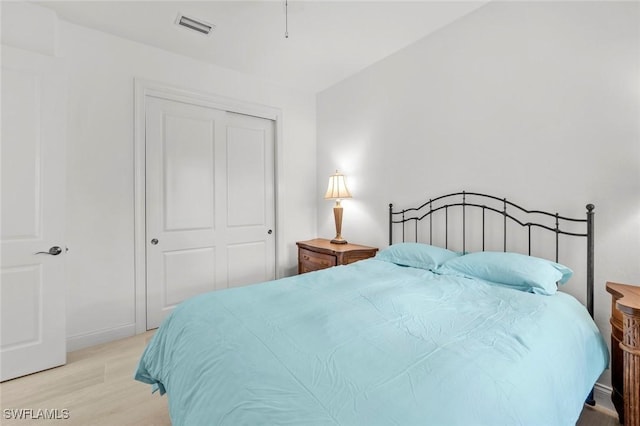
[590,277]
[590,258]
[390,224]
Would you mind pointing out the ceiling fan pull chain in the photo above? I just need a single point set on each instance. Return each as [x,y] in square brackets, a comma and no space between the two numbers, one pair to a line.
[286,18]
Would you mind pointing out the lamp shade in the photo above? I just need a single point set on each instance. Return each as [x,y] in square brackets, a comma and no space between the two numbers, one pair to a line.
[337,188]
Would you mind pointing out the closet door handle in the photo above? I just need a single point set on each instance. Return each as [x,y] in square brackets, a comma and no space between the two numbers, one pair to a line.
[154,241]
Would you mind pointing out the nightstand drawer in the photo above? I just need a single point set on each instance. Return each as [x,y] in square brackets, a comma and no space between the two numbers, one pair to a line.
[320,254]
[312,261]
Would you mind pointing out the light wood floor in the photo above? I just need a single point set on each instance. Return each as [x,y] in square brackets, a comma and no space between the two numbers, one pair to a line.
[97,387]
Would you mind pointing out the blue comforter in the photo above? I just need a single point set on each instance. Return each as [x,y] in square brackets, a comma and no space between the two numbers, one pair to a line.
[374,343]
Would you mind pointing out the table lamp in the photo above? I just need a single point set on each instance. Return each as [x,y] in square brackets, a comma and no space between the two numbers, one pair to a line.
[337,190]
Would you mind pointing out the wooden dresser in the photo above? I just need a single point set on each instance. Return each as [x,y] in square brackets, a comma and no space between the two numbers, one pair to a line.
[320,253]
[625,351]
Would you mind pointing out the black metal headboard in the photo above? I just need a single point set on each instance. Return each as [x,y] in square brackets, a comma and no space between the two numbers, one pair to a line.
[508,212]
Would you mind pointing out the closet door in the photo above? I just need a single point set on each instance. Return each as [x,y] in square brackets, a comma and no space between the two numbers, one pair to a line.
[249,195]
[209,202]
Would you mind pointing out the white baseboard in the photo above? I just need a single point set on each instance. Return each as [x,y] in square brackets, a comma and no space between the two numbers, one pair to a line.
[602,395]
[98,337]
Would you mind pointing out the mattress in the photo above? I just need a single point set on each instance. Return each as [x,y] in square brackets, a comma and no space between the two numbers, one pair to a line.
[375,343]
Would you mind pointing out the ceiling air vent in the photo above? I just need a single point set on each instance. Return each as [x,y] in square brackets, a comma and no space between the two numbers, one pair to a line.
[194,24]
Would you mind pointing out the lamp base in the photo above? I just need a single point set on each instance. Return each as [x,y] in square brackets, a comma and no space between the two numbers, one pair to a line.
[337,215]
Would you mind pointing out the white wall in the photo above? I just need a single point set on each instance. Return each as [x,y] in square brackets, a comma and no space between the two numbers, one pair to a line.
[100,162]
[536,102]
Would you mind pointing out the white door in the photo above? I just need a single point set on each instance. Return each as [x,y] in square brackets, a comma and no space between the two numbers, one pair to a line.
[32,295]
[209,202]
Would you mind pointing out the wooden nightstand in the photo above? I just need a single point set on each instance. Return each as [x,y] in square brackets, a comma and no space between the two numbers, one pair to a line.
[625,351]
[320,254]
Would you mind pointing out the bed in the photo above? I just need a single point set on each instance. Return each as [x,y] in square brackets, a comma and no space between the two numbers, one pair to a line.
[420,334]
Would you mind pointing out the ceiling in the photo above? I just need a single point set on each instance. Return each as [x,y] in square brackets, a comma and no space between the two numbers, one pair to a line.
[328,40]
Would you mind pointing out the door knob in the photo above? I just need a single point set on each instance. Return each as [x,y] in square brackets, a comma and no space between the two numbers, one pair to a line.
[154,241]
[269,231]
[53,251]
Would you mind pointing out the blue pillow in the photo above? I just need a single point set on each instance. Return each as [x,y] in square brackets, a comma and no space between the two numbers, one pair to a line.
[519,271]
[423,256]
